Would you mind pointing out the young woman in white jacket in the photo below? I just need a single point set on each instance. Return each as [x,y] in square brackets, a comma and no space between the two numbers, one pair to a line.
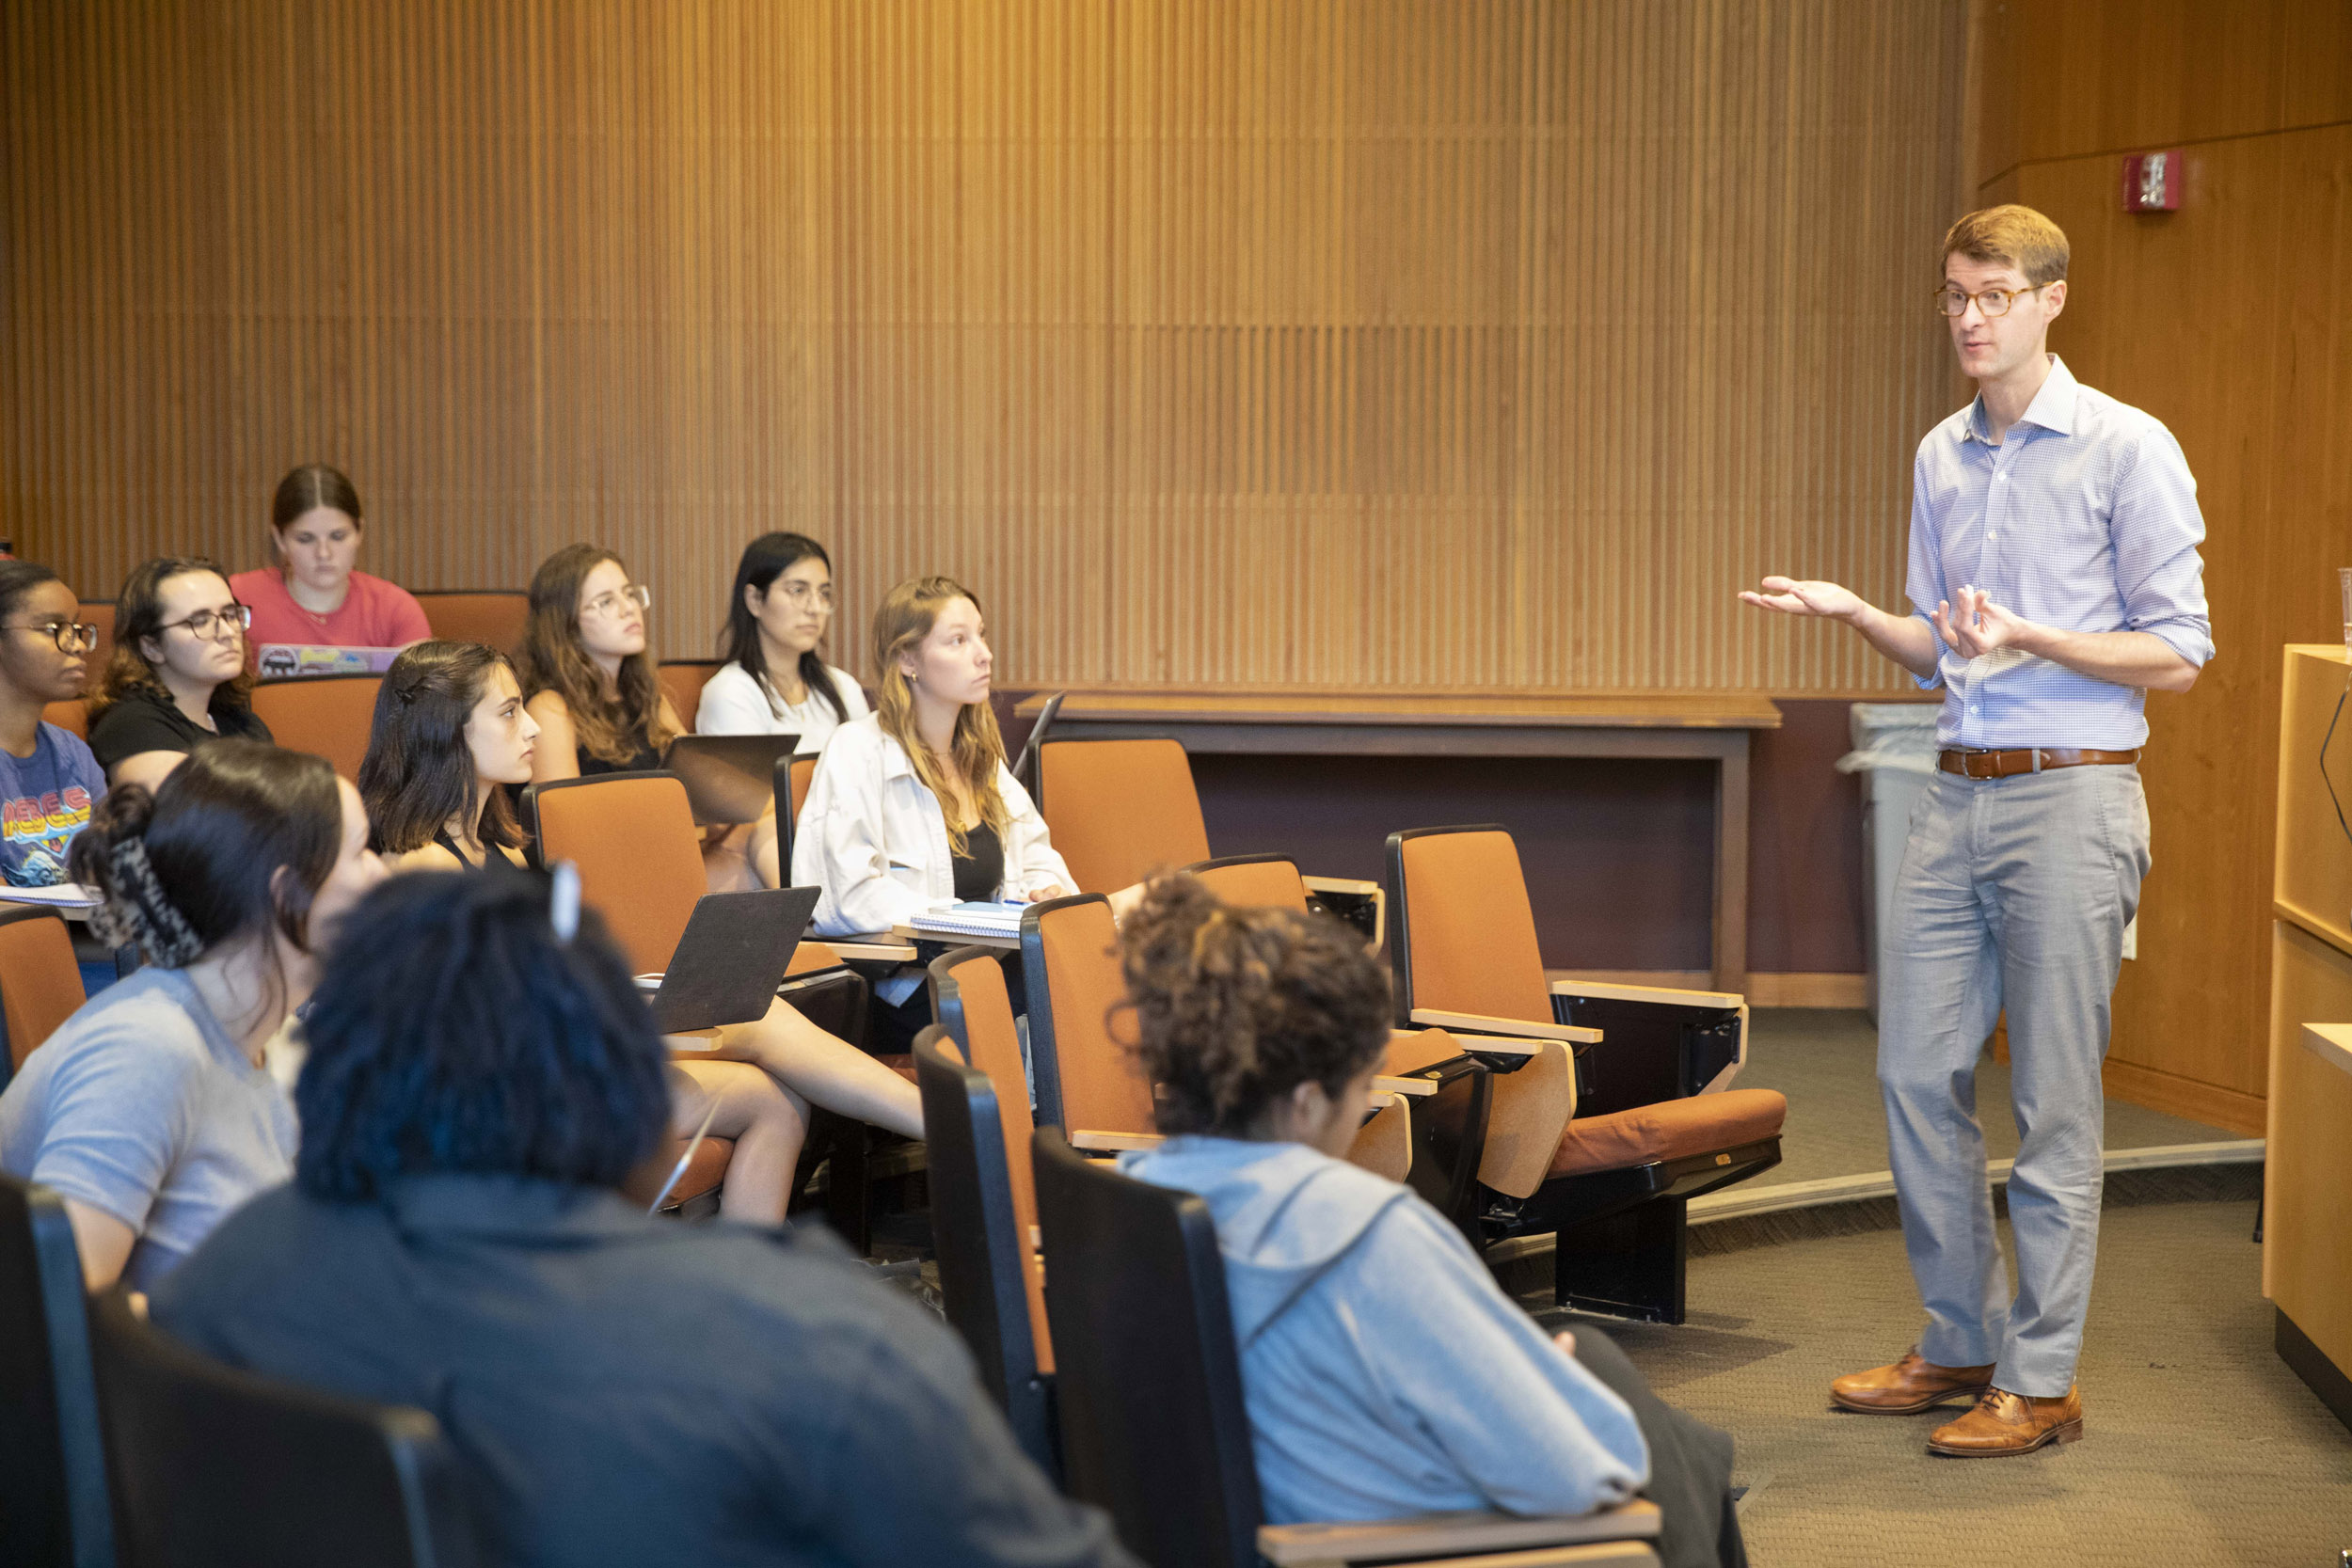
[912,805]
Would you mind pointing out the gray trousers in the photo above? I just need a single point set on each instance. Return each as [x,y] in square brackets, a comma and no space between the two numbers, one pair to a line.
[2013,894]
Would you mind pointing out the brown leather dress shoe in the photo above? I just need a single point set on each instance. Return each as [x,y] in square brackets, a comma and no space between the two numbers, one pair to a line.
[1909,1386]
[2006,1423]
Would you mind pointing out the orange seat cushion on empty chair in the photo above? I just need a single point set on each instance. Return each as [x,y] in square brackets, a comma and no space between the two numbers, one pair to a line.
[1670,1129]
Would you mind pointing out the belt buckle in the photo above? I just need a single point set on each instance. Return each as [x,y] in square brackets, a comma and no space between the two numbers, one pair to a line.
[1968,766]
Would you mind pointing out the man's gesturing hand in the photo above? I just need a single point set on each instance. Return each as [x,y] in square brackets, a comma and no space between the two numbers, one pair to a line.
[1975,625]
[1791,597]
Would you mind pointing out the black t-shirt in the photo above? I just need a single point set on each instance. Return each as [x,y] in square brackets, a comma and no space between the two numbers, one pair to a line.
[645,761]
[980,869]
[628,1390]
[143,722]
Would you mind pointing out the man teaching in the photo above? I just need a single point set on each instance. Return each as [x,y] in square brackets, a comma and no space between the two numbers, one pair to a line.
[2054,579]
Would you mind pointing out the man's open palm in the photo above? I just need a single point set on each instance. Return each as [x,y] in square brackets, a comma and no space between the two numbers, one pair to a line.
[1792,597]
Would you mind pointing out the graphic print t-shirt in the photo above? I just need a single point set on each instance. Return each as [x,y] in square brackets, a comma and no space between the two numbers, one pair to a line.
[45,800]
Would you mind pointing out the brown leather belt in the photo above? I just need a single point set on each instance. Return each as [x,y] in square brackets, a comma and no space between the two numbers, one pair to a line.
[2008,764]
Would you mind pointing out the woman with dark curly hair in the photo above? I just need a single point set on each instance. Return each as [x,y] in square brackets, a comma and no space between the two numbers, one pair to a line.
[152,1111]
[1385,1371]
[177,679]
[618,1388]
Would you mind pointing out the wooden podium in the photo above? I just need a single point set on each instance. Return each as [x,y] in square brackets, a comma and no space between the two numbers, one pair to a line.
[2307,1239]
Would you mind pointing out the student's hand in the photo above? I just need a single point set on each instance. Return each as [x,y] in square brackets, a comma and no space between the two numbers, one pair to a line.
[1125,901]
[1975,625]
[1046,895]
[1792,597]
[1565,1339]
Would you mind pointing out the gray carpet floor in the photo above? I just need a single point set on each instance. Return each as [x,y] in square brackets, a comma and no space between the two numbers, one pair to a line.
[2200,1448]
[1825,1062]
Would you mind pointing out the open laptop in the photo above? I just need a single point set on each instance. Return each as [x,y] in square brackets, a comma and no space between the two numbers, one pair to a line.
[728,964]
[728,778]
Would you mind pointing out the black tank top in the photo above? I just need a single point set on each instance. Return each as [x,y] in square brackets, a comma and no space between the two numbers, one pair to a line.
[980,869]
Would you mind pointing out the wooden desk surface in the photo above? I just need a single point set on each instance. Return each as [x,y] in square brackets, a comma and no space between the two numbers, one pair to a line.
[1308,706]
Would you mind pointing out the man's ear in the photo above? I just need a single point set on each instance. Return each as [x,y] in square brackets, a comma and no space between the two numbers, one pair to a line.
[2054,299]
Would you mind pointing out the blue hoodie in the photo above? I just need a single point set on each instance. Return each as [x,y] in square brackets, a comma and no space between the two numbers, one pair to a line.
[1385,1371]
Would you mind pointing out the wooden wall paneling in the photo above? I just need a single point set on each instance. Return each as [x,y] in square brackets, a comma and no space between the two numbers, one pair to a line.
[2065,78]
[2226,320]
[1265,340]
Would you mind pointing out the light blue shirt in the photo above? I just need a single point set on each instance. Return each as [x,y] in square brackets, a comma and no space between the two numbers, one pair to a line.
[2083,517]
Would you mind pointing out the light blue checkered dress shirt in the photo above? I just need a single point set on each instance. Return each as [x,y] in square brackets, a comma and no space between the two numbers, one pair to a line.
[2084,518]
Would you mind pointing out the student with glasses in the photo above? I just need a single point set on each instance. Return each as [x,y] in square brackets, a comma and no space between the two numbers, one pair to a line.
[588,675]
[774,681]
[450,732]
[590,685]
[2054,581]
[49,781]
[178,679]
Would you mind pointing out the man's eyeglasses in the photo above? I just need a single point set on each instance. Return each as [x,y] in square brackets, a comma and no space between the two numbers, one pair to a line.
[207,624]
[72,637]
[1992,302]
[608,606]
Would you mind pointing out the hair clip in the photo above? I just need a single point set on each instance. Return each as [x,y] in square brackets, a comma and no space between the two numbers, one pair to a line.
[564,902]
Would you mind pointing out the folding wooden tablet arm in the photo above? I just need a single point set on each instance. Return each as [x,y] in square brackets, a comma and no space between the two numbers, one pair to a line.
[1617,1537]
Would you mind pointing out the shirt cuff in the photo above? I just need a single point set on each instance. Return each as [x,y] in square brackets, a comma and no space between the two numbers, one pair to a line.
[2188,638]
[1934,677]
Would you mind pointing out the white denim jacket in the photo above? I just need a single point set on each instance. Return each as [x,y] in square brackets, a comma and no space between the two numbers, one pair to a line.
[872,836]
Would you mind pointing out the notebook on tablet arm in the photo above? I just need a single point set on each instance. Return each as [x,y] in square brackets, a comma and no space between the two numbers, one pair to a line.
[731,958]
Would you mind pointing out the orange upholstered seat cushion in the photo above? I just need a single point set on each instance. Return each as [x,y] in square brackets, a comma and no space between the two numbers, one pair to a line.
[1670,1129]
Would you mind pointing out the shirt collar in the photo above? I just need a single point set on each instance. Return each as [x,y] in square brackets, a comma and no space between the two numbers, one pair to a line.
[2051,409]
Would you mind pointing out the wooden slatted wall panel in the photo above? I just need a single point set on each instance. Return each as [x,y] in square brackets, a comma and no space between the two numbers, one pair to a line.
[1405,343]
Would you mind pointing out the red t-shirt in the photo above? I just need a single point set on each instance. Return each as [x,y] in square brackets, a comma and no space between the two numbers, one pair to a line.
[373,614]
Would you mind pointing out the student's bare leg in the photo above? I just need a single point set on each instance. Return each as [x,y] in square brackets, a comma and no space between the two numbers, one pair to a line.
[767,1120]
[825,1070]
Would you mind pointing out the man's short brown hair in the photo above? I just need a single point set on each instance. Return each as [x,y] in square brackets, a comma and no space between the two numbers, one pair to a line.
[2017,236]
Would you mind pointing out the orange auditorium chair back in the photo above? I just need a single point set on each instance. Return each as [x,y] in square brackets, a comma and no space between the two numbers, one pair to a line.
[493,615]
[969,999]
[1472,946]
[40,984]
[682,682]
[1254,881]
[632,837]
[1118,810]
[1087,1081]
[328,716]
[72,716]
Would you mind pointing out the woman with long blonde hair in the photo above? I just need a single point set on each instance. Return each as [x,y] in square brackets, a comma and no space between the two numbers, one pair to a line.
[912,805]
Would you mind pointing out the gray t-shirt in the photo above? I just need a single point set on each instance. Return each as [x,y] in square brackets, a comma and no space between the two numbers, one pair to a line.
[142,1106]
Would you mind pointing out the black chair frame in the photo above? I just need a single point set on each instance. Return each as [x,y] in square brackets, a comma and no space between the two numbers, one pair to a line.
[1154,1427]
[978,1234]
[54,1503]
[1621,1236]
[215,1466]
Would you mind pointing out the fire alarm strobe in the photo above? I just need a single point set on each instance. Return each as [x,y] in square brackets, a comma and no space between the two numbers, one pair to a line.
[2151,182]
